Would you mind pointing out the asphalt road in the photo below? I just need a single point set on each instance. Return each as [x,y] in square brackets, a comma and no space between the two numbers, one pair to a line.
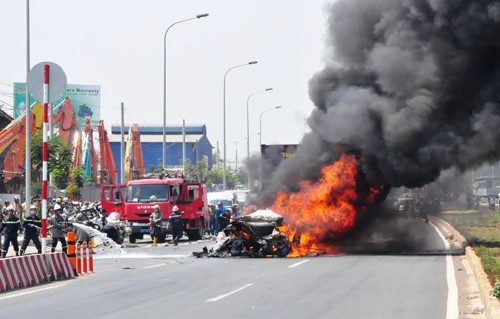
[379,279]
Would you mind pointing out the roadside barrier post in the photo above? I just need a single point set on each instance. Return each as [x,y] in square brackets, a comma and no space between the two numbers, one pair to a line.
[90,260]
[72,252]
[84,258]
[79,259]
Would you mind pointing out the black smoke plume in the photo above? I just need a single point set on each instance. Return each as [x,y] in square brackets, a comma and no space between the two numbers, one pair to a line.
[411,86]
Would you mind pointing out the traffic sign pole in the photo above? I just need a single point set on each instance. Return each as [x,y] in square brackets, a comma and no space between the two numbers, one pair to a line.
[42,73]
[45,154]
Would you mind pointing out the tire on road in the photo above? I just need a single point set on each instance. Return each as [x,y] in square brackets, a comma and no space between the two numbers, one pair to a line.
[196,234]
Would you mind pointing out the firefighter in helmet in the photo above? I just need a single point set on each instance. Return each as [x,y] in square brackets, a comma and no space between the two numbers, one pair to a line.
[155,219]
[175,220]
[57,226]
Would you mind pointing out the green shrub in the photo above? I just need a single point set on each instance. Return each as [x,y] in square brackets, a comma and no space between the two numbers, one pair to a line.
[496,290]
[491,264]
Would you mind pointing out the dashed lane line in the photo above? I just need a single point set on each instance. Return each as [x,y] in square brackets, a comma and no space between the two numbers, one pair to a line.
[31,291]
[214,299]
[154,266]
[298,264]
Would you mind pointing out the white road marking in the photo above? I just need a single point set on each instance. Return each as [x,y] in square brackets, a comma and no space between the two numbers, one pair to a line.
[452,303]
[154,266]
[31,291]
[229,293]
[298,264]
[141,256]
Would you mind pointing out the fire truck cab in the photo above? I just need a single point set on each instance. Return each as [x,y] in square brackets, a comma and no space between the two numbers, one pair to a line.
[135,200]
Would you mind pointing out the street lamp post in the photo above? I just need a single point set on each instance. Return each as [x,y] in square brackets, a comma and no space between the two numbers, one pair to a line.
[224,120]
[248,127]
[260,139]
[164,157]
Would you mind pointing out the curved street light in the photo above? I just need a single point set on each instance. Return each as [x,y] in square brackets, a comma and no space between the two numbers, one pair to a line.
[260,139]
[224,120]
[248,127]
[203,15]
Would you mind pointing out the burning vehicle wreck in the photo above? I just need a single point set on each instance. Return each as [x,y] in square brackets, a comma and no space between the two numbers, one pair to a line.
[253,235]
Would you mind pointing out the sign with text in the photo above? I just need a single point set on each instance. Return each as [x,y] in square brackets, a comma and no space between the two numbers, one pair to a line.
[85,98]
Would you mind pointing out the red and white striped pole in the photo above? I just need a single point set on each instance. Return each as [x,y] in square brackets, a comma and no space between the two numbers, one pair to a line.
[45,155]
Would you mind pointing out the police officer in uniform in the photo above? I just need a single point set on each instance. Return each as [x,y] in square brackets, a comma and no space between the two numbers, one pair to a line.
[11,225]
[31,225]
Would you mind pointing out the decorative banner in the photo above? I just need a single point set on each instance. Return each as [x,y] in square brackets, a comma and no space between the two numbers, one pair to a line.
[86,100]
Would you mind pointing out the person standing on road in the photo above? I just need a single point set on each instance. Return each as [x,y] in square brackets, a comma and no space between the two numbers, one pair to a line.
[31,224]
[11,224]
[155,229]
[218,212]
[175,220]
[235,210]
[211,219]
[57,226]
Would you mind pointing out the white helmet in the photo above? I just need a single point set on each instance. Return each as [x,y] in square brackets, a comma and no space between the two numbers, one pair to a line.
[175,208]
[57,207]
[155,207]
[84,208]
[10,208]
[33,207]
[113,218]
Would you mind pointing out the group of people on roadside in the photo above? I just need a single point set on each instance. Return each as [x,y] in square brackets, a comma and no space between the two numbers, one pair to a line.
[12,222]
[221,216]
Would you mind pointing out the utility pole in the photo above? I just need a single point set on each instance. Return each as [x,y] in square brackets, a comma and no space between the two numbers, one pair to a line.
[122,156]
[27,173]
[183,145]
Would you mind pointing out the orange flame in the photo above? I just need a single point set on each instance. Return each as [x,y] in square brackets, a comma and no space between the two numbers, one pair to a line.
[321,210]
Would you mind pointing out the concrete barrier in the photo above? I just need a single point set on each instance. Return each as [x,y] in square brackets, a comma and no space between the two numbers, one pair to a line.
[30,270]
[491,304]
[60,266]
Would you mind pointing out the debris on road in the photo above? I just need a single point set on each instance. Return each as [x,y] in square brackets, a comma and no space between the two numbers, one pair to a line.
[252,235]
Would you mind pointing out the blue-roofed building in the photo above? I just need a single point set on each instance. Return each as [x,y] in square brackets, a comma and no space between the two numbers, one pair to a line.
[197,145]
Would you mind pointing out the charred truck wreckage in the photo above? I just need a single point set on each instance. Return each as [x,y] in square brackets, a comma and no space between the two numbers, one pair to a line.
[410,90]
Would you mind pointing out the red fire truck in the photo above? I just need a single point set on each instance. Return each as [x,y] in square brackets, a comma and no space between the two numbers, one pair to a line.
[135,200]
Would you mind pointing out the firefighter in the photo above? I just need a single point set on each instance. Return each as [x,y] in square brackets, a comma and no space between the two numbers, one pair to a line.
[57,226]
[155,229]
[175,220]
[83,219]
[31,224]
[11,224]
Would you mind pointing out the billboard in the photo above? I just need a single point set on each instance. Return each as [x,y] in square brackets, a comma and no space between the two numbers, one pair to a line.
[85,98]
[275,154]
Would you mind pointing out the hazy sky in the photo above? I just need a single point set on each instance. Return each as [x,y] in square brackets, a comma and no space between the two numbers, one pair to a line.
[118,44]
